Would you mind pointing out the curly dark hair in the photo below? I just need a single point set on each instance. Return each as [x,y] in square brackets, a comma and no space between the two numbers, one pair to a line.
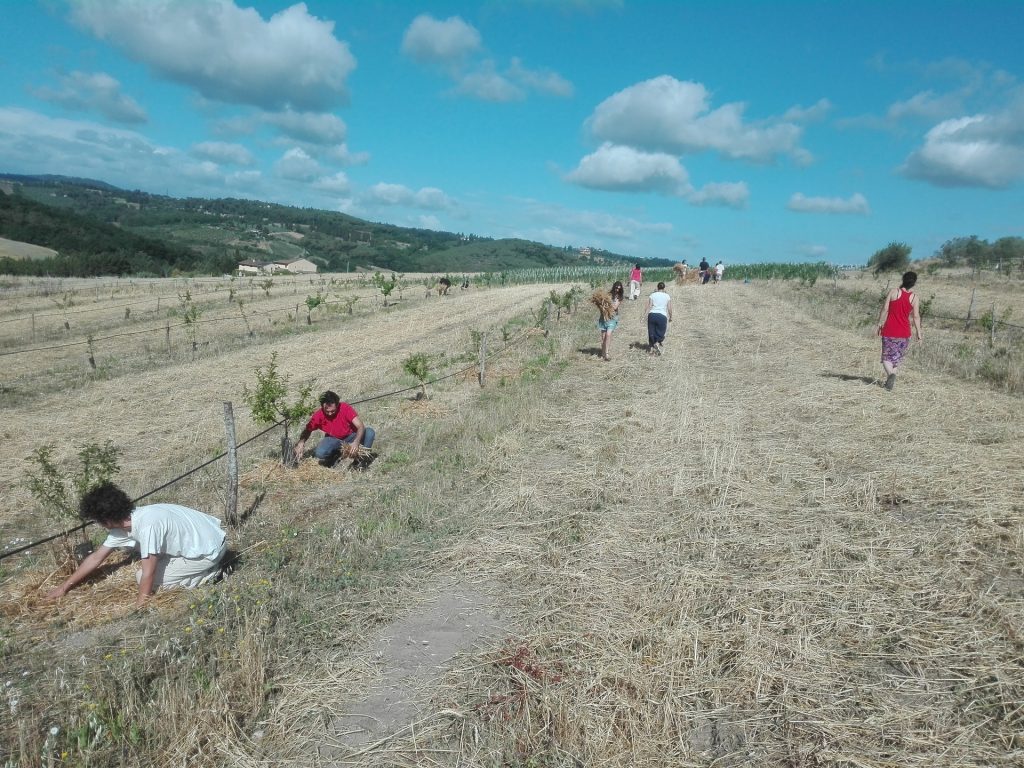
[329,397]
[105,504]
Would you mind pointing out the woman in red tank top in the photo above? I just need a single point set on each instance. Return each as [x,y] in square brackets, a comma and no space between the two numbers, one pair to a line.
[899,310]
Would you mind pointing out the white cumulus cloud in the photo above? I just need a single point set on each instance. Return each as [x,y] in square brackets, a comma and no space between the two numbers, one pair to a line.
[488,85]
[855,204]
[726,193]
[427,198]
[668,115]
[223,152]
[456,48]
[312,127]
[432,41]
[296,165]
[622,168]
[93,91]
[31,142]
[338,184]
[228,53]
[543,80]
[985,150]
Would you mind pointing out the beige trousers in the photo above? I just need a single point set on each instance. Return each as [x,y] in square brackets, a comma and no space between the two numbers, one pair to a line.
[185,572]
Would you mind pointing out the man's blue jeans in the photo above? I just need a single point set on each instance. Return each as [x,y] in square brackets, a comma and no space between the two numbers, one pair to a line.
[328,448]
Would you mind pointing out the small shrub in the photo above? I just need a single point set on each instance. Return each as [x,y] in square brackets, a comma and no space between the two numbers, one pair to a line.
[384,285]
[418,366]
[926,306]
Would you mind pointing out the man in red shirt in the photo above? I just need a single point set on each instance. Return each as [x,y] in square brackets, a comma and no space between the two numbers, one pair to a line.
[343,432]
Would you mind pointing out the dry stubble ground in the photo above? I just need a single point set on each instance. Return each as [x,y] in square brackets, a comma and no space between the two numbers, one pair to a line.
[742,553]
[169,418]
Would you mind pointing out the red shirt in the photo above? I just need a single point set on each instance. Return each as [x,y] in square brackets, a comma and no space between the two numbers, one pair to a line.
[636,274]
[897,321]
[340,426]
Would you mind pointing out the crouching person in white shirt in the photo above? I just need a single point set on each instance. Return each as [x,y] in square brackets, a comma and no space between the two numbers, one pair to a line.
[178,546]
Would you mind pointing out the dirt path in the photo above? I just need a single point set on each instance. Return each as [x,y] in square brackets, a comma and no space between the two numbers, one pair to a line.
[742,553]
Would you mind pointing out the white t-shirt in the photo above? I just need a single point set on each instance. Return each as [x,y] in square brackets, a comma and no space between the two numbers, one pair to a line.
[170,529]
[659,303]
[719,269]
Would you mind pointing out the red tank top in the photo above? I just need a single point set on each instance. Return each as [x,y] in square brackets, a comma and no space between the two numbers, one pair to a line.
[897,322]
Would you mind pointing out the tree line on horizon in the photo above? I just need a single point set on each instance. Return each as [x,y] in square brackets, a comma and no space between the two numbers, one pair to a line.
[335,241]
[90,224]
[1003,255]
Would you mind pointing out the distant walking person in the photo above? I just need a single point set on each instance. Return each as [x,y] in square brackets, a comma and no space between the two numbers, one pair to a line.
[719,271]
[899,310]
[659,315]
[636,279]
[705,271]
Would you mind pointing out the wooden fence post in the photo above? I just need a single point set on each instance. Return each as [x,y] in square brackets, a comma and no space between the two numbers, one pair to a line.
[970,309]
[483,358]
[167,336]
[231,509]
[992,338]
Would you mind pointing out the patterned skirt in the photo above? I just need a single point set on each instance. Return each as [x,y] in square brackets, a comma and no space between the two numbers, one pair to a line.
[893,350]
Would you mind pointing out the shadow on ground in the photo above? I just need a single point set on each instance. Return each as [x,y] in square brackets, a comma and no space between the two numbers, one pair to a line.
[850,377]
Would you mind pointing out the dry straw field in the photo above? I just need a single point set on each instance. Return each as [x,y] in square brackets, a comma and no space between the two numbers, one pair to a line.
[742,553]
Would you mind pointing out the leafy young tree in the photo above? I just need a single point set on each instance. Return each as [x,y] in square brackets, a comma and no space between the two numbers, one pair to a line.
[418,366]
[385,285]
[269,402]
[59,490]
[895,257]
[312,302]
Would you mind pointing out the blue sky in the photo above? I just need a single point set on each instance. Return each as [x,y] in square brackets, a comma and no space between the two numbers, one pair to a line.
[740,131]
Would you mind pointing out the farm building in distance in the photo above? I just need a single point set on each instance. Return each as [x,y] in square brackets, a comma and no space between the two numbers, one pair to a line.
[298,266]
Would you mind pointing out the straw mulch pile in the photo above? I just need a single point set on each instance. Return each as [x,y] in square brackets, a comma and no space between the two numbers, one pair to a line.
[761,563]
[602,299]
[99,601]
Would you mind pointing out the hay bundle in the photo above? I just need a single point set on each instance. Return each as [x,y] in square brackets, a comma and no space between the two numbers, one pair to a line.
[602,299]
[681,271]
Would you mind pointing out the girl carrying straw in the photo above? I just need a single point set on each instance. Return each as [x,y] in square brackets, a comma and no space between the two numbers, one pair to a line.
[608,305]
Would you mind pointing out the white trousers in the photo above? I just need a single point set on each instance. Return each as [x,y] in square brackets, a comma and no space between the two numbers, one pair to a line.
[634,289]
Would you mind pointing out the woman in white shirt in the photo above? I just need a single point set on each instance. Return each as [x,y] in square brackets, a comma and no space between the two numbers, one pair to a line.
[659,315]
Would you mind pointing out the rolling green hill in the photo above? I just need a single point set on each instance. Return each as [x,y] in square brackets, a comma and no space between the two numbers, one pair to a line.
[98,228]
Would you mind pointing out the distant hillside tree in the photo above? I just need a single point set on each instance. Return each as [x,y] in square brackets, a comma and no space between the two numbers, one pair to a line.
[895,257]
[971,251]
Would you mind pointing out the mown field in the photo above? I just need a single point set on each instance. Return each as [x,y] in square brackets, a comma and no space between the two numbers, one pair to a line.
[744,552]
[16,249]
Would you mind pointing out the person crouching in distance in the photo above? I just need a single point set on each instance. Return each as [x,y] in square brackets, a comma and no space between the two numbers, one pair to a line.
[344,432]
[178,546]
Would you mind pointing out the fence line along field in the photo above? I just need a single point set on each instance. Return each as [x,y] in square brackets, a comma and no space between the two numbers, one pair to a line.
[165,414]
[744,552]
[974,324]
